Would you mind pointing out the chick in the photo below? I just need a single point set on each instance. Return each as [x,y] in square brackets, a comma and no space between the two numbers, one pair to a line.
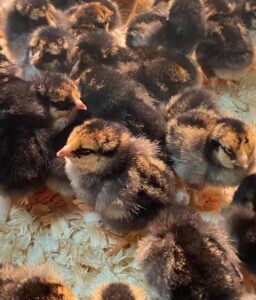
[61,96]
[189,99]
[227,51]
[248,13]
[119,174]
[185,258]
[147,31]
[207,149]
[89,17]
[166,75]
[113,96]
[217,8]
[99,47]
[241,221]
[24,155]
[49,49]
[186,25]
[118,291]
[22,19]
[32,283]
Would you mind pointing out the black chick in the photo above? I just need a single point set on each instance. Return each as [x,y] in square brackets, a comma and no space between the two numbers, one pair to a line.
[24,155]
[248,13]
[186,25]
[113,96]
[49,49]
[32,283]
[218,8]
[227,50]
[241,221]
[166,75]
[100,47]
[22,19]
[118,291]
[89,16]
[185,258]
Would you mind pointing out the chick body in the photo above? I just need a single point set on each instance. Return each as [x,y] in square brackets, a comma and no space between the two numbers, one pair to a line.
[227,51]
[32,283]
[119,174]
[185,258]
[118,291]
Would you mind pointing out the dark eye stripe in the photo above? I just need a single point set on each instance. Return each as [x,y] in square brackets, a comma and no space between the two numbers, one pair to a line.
[83,152]
[229,152]
[63,105]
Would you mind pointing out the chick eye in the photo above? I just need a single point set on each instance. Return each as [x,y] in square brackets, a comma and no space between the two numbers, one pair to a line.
[229,152]
[82,152]
[246,140]
[63,105]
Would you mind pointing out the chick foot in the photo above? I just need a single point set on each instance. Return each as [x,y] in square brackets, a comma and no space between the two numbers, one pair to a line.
[125,241]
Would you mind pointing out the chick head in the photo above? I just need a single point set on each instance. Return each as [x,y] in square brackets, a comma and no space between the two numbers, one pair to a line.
[48,47]
[118,291]
[90,16]
[62,93]
[96,145]
[234,143]
[40,11]
[44,289]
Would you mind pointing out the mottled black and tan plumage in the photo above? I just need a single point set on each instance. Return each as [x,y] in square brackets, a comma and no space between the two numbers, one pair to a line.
[227,51]
[113,96]
[32,283]
[184,258]
[22,19]
[209,149]
[241,221]
[119,174]
[118,291]
[248,13]
[49,49]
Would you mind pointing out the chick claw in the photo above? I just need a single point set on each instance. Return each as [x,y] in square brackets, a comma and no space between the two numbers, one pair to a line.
[125,241]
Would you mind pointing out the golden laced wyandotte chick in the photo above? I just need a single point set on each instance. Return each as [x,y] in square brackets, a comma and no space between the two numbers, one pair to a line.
[118,291]
[32,283]
[206,147]
[184,258]
[117,173]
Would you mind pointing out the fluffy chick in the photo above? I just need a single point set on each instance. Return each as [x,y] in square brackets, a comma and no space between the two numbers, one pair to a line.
[32,282]
[167,75]
[22,19]
[186,25]
[227,50]
[185,258]
[207,149]
[248,13]
[117,173]
[223,8]
[89,16]
[99,47]
[241,221]
[49,49]
[118,291]
[113,96]
[189,99]
[61,97]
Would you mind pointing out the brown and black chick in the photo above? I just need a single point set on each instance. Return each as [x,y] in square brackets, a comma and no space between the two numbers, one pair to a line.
[32,283]
[207,149]
[167,75]
[49,49]
[89,17]
[112,95]
[186,25]
[227,51]
[248,13]
[22,19]
[118,174]
[241,221]
[184,258]
[118,291]
[100,47]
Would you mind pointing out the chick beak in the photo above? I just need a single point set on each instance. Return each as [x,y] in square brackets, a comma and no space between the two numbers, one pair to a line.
[75,69]
[36,58]
[242,161]
[79,104]
[64,152]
